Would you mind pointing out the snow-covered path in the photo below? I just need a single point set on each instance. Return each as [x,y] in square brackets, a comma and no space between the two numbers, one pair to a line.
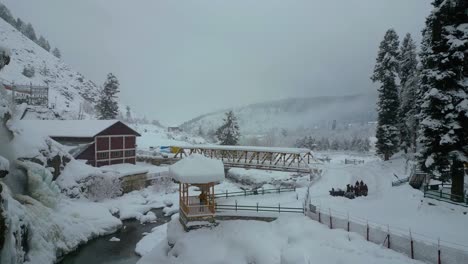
[400,207]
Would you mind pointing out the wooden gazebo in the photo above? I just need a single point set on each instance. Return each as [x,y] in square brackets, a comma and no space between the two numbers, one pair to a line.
[197,175]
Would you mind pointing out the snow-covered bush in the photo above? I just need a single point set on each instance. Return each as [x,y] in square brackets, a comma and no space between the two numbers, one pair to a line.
[100,187]
[29,71]
[163,184]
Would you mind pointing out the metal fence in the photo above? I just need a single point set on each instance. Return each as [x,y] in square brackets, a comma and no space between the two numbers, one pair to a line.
[416,246]
[439,195]
[253,192]
[259,208]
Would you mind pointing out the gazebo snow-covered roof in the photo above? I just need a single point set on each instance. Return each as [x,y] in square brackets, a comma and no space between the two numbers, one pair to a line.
[197,169]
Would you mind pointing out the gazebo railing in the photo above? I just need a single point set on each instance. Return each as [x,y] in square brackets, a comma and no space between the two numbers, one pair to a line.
[194,208]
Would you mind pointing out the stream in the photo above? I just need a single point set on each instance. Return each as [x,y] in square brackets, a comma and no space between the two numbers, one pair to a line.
[102,251]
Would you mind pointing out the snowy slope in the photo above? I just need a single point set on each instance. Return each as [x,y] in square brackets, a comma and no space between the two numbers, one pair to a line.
[293,114]
[68,88]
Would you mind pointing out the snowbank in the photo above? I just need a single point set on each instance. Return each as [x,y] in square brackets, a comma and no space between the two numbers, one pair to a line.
[137,203]
[148,242]
[290,239]
[124,169]
[197,169]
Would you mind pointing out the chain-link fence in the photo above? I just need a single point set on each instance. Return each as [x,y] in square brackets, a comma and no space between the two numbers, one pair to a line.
[416,246]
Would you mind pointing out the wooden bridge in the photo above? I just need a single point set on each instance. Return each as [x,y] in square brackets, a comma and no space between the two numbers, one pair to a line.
[263,158]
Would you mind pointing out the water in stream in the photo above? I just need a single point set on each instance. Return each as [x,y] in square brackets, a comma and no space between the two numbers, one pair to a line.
[102,251]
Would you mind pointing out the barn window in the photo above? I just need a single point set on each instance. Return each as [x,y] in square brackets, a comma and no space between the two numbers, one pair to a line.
[103,155]
[116,154]
[129,153]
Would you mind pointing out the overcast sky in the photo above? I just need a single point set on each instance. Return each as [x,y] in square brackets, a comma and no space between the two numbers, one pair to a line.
[178,59]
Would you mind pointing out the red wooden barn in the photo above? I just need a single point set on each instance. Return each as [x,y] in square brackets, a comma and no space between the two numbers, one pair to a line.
[99,142]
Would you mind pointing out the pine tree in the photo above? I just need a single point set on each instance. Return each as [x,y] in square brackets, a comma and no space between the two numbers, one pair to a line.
[6,15]
[19,24]
[228,133]
[444,109]
[107,106]
[29,32]
[56,52]
[385,72]
[409,81]
[43,43]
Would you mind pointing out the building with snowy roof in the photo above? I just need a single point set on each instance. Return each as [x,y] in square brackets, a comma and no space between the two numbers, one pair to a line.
[99,142]
[202,173]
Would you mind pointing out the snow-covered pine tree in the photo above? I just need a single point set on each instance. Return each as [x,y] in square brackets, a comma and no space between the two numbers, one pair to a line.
[107,106]
[56,52]
[29,32]
[228,133]
[43,43]
[409,82]
[444,109]
[385,72]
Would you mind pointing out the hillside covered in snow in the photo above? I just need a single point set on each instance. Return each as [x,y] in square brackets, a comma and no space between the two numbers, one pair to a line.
[69,91]
[294,115]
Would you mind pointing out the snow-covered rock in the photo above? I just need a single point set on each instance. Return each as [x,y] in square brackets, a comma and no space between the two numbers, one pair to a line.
[114,239]
[148,242]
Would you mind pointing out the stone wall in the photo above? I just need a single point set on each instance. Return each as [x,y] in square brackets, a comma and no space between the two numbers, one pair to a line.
[134,182]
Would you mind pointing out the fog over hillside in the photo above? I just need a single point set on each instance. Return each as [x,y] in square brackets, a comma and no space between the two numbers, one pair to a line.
[293,114]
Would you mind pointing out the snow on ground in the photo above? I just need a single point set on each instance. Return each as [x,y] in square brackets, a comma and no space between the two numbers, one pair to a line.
[291,239]
[400,207]
[155,136]
[148,242]
[260,177]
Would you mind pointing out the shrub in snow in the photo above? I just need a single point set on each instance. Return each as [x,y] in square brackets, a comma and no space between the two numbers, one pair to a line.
[29,71]
[163,184]
[100,187]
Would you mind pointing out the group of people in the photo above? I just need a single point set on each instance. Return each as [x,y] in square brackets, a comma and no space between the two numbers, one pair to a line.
[360,188]
[352,191]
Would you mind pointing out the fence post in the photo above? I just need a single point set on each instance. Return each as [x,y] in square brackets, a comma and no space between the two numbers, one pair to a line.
[226,193]
[297,196]
[245,193]
[236,205]
[388,236]
[412,245]
[320,219]
[331,220]
[257,207]
[367,231]
[279,208]
[439,261]
[348,222]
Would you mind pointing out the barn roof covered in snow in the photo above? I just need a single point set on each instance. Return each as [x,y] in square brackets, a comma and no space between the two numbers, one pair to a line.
[247,148]
[69,128]
[197,168]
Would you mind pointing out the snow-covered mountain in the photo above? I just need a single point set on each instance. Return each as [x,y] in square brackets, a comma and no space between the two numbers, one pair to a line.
[68,90]
[293,114]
